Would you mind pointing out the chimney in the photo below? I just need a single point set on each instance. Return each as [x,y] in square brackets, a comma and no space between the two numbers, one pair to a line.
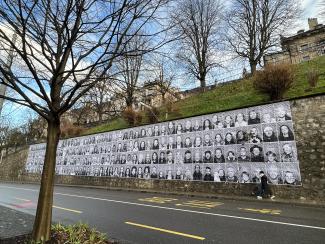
[312,22]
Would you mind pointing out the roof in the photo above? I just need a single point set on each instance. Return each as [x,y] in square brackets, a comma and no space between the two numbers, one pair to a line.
[319,29]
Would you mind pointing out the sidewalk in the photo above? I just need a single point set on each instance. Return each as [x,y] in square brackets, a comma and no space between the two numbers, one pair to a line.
[15,226]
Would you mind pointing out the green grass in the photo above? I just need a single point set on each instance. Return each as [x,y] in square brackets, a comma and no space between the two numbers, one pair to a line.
[118,123]
[76,233]
[231,96]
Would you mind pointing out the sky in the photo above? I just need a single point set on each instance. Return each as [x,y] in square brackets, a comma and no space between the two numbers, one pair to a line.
[17,114]
[310,10]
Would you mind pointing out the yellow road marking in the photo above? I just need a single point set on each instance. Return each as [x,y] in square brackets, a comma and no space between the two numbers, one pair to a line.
[173,209]
[68,209]
[167,231]
[263,211]
[22,199]
[200,204]
[158,199]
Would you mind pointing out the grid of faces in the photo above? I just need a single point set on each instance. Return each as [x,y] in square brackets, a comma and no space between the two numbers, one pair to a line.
[232,146]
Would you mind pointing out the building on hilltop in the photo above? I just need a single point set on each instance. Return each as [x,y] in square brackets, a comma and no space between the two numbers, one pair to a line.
[151,94]
[303,46]
[155,93]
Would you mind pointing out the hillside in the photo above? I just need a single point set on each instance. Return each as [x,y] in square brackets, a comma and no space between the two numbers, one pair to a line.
[231,95]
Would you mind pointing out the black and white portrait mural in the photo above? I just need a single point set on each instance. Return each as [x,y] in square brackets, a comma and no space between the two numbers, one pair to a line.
[222,147]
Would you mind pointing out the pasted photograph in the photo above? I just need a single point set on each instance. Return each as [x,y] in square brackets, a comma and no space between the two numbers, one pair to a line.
[282,112]
[270,132]
[157,113]
[271,152]
[232,172]
[230,153]
[244,173]
[288,151]
[243,152]
[285,131]
[241,118]
[274,173]
[219,172]
[290,174]
[231,146]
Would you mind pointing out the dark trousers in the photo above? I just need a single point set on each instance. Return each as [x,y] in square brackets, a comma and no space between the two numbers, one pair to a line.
[264,190]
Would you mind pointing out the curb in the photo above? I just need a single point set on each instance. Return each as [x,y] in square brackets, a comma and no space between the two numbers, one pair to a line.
[292,202]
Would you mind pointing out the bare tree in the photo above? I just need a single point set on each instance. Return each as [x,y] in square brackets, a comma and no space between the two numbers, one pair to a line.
[253,26]
[99,99]
[80,111]
[36,129]
[63,48]
[163,75]
[128,70]
[198,22]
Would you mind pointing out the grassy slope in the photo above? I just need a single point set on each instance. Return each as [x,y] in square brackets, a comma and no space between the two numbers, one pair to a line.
[231,96]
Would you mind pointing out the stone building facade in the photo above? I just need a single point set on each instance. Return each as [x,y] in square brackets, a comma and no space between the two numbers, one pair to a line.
[303,46]
[148,95]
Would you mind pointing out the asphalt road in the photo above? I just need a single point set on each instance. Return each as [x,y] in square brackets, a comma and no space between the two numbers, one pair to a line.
[159,218]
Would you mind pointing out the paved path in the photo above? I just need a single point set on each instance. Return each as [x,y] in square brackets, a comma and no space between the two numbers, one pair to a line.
[154,218]
[14,223]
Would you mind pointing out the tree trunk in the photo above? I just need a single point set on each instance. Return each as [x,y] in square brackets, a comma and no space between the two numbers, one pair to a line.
[43,219]
[202,83]
[100,116]
[163,97]
[253,67]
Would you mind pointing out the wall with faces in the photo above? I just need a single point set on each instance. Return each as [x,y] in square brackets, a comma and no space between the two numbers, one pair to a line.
[232,146]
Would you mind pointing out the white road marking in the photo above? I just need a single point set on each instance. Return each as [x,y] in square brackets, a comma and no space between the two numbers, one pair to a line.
[177,209]
[67,209]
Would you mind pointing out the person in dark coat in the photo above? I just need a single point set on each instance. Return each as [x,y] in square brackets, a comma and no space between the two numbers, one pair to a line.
[208,176]
[197,175]
[155,145]
[285,134]
[154,158]
[269,135]
[229,139]
[188,157]
[219,157]
[207,124]
[207,157]
[162,159]
[171,128]
[154,174]
[241,137]
[134,172]
[243,157]
[253,118]
[263,188]
[256,154]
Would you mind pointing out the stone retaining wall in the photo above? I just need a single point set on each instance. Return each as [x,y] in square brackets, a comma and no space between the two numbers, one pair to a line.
[308,118]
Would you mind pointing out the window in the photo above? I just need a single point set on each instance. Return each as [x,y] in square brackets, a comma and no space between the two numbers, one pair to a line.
[304,47]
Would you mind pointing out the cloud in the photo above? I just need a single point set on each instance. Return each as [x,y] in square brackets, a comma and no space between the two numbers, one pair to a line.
[310,10]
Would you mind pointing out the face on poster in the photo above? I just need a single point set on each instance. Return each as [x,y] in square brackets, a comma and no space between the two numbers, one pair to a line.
[230,146]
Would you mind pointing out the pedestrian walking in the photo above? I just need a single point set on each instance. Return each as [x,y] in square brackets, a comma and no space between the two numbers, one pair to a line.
[263,188]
